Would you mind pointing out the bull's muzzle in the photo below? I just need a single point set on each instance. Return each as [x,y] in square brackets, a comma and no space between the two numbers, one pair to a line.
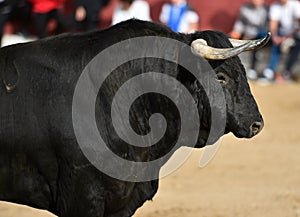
[256,127]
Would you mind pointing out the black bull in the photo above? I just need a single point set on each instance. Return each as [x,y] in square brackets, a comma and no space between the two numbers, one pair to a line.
[41,164]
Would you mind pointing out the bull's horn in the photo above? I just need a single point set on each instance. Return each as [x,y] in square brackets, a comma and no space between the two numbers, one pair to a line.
[200,48]
[255,44]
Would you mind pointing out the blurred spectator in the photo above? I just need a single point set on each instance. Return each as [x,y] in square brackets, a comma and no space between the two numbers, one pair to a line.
[179,16]
[128,9]
[252,23]
[44,10]
[15,9]
[86,15]
[284,26]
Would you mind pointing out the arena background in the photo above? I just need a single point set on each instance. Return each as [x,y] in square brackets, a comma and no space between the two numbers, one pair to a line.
[214,14]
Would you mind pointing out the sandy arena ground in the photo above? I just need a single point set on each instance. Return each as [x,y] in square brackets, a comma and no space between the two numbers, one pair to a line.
[247,178]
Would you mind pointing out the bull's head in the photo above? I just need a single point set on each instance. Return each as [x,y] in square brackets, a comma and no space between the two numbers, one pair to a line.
[243,118]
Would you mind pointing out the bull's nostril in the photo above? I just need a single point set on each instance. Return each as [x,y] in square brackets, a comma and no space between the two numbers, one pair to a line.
[256,128]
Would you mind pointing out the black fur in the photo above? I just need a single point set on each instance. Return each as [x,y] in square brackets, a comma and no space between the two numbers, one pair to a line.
[41,164]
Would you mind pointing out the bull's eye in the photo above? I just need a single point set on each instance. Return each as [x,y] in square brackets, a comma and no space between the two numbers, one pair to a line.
[222,78]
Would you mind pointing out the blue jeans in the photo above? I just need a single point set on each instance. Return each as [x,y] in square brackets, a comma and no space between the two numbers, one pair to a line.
[275,56]
[291,60]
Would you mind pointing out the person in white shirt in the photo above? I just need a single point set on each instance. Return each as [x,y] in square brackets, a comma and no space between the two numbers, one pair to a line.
[252,23]
[128,9]
[284,25]
[179,16]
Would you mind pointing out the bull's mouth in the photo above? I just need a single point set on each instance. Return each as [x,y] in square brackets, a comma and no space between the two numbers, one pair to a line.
[242,134]
[245,132]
